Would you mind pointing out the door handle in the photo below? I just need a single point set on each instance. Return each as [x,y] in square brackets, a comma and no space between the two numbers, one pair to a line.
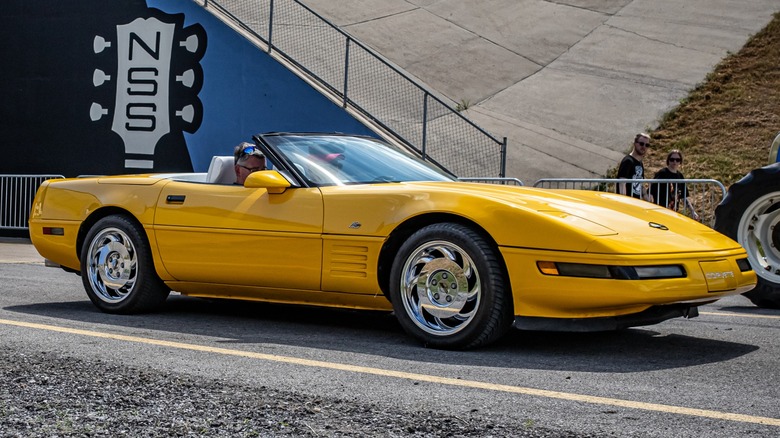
[175,199]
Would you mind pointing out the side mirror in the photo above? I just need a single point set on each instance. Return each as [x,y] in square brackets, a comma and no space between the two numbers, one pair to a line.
[267,179]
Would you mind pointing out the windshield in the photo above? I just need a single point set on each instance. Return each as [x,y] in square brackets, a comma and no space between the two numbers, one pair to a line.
[325,160]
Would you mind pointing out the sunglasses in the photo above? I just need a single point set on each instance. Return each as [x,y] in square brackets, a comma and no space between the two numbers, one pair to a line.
[678,160]
[643,143]
[251,169]
[248,150]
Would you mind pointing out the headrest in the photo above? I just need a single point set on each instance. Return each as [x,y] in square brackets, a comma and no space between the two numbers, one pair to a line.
[221,170]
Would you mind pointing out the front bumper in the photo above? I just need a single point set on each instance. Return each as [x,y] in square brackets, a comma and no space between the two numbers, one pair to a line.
[538,295]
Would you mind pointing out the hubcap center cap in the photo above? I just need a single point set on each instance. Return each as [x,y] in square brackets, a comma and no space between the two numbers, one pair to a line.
[443,288]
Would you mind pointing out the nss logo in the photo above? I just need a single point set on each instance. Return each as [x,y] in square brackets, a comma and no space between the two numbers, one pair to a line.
[153,66]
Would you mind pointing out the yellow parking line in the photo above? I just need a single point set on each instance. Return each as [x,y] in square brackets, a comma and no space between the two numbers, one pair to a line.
[745,315]
[413,376]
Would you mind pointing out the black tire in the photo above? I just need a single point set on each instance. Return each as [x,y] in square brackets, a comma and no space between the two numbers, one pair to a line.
[117,268]
[750,214]
[448,288]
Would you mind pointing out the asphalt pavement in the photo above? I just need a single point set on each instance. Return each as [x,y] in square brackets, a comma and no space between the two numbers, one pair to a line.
[18,250]
[227,368]
[570,82]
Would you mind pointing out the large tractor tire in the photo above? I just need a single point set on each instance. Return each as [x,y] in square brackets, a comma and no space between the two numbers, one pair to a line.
[750,214]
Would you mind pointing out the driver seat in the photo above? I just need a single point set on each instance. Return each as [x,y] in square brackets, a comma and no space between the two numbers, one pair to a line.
[221,171]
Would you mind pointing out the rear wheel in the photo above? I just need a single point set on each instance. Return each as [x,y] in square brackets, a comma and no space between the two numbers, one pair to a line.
[448,288]
[117,268]
[750,214]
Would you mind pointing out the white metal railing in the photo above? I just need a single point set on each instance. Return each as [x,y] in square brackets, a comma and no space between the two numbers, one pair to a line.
[696,198]
[493,180]
[16,196]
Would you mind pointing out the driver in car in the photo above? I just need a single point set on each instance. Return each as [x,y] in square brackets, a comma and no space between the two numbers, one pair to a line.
[247,158]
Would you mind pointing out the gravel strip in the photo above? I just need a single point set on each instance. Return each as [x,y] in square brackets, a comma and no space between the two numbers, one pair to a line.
[47,395]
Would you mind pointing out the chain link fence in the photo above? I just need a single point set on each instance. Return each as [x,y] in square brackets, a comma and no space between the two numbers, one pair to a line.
[365,82]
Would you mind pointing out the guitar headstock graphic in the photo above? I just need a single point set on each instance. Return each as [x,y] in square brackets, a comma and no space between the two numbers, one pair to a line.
[152,64]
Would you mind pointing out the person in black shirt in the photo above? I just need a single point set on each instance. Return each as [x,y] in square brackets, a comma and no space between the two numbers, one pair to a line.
[672,195]
[631,167]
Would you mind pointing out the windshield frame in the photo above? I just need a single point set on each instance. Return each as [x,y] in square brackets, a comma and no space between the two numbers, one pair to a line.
[328,159]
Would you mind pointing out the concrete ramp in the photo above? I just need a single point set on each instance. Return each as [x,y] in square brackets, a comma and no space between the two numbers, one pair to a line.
[568,83]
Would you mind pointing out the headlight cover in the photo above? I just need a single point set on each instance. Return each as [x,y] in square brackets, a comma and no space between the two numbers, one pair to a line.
[583,270]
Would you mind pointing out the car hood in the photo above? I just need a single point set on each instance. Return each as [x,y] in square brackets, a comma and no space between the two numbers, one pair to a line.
[589,221]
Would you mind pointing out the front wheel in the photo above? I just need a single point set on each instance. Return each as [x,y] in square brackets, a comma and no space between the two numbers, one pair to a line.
[750,214]
[117,268]
[448,288]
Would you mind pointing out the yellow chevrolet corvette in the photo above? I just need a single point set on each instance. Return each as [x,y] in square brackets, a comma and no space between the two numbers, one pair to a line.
[351,222]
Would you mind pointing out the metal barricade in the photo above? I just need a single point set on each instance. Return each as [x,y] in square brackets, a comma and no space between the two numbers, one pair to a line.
[16,196]
[695,198]
[494,180]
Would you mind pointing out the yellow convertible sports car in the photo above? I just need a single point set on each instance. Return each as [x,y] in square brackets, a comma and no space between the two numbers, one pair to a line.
[352,222]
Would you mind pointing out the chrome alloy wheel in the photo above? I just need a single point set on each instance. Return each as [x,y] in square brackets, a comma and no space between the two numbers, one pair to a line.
[440,288]
[759,234]
[112,265]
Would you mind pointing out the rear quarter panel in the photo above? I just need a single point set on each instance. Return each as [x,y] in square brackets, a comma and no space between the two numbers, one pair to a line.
[68,203]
